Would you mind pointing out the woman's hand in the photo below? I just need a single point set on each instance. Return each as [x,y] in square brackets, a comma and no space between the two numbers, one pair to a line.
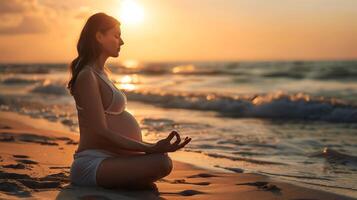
[164,145]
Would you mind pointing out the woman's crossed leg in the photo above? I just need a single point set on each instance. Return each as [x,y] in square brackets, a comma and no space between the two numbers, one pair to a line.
[119,171]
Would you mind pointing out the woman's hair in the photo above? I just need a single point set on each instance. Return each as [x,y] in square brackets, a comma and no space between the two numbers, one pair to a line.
[88,47]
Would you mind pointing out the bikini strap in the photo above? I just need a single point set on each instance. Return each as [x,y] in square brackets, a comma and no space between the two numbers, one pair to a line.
[105,79]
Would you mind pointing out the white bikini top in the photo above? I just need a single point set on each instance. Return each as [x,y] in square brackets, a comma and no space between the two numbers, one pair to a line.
[119,99]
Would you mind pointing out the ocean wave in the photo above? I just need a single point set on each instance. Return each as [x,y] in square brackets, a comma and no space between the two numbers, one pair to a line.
[297,176]
[320,70]
[276,105]
[284,75]
[336,157]
[33,107]
[43,68]
[51,88]
[243,159]
[327,74]
[335,73]
[16,80]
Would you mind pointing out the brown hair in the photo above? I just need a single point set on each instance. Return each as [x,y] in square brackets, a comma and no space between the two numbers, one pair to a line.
[88,47]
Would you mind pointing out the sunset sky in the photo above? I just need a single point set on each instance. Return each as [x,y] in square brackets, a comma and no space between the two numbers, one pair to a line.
[184,30]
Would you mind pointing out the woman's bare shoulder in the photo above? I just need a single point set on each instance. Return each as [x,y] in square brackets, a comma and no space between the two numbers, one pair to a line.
[85,79]
[85,74]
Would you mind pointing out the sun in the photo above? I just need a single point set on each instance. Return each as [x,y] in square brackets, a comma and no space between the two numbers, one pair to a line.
[131,12]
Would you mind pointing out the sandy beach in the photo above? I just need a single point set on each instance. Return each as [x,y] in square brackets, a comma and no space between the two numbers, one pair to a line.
[251,99]
[35,164]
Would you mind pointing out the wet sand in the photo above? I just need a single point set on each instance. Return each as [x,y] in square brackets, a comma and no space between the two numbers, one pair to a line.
[35,162]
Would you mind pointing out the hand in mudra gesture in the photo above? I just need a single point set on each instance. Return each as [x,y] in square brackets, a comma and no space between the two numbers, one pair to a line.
[165,145]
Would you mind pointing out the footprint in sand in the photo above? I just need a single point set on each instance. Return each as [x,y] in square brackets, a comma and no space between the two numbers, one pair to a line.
[20,156]
[183,181]
[25,161]
[69,140]
[202,175]
[233,169]
[184,193]
[33,138]
[263,186]
[72,142]
[33,184]
[55,167]
[15,166]
[190,192]
[26,137]
[7,139]
[21,162]
[21,184]
[13,187]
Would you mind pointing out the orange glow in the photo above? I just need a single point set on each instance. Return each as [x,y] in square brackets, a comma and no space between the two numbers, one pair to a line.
[131,63]
[131,12]
[183,69]
[128,82]
[156,30]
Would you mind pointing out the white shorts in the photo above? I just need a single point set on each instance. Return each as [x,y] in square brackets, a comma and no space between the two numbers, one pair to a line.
[83,171]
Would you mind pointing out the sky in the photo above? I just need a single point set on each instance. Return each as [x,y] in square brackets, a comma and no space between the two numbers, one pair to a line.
[46,31]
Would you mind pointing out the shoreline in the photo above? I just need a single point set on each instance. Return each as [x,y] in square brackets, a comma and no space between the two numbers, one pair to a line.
[43,171]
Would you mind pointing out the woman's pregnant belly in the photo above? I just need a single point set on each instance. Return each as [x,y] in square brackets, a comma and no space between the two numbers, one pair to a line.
[124,124]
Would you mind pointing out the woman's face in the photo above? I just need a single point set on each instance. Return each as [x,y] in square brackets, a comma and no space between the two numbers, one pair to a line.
[111,41]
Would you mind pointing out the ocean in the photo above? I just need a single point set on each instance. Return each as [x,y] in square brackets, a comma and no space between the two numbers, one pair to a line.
[293,120]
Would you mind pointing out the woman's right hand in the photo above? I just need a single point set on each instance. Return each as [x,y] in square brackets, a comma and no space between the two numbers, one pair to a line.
[165,145]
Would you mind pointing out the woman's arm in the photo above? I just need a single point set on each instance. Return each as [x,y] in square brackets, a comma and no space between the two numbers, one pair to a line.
[126,143]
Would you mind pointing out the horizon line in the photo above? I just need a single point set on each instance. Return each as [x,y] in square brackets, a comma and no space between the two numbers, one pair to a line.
[197,61]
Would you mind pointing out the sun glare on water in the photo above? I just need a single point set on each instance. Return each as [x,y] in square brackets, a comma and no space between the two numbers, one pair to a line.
[131,12]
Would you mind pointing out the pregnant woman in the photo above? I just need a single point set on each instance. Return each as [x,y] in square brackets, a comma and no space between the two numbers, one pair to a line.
[111,152]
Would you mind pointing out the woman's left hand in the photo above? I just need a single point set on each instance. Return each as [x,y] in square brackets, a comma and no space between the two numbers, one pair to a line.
[165,145]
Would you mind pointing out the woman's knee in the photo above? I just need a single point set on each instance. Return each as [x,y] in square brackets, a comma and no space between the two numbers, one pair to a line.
[165,164]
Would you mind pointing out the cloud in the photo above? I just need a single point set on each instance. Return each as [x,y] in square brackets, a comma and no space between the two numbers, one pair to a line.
[28,24]
[83,12]
[16,6]
[34,16]
[24,17]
